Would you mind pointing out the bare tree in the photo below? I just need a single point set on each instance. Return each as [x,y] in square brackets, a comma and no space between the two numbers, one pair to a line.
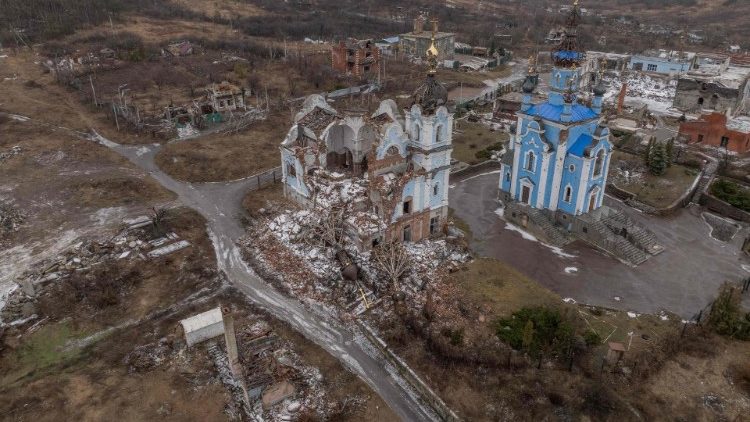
[392,261]
[329,229]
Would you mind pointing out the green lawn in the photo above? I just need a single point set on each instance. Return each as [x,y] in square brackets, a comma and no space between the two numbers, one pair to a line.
[473,137]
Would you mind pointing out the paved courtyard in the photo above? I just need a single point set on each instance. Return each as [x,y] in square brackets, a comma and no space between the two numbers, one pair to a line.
[682,279]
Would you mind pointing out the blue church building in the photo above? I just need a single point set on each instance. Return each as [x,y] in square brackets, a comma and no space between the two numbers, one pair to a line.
[559,152]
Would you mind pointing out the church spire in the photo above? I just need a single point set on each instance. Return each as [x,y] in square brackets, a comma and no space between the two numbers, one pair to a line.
[567,53]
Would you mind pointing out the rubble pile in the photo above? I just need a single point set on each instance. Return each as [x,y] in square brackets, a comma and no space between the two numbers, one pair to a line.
[657,93]
[131,243]
[10,153]
[10,219]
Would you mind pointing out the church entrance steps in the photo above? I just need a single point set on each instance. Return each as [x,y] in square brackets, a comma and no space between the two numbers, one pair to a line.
[639,236]
[543,225]
[600,235]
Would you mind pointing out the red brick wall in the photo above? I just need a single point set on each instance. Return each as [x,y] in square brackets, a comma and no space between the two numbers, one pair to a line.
[713,127]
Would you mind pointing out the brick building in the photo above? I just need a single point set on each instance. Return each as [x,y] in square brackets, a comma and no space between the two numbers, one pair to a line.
[356,57]
[716,129]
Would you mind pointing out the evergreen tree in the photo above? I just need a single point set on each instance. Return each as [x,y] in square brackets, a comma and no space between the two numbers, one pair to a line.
[670,152]
[647,152]
[658,160]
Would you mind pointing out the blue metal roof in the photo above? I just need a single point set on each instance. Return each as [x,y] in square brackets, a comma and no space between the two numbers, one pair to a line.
[567,55]
[553,112]
[579,146]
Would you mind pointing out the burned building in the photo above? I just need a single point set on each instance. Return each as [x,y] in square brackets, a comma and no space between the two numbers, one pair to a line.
[356,57]
[417,42]
[390,168]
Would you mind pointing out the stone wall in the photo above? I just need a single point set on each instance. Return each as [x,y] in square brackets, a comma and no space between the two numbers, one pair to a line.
[716,205]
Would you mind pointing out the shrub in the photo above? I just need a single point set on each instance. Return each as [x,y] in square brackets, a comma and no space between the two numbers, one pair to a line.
[592,338]
[535,330]
[732,193]
[725,316]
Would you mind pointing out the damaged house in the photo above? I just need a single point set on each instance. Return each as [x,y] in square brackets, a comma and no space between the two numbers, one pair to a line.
[390,169]
[226,97]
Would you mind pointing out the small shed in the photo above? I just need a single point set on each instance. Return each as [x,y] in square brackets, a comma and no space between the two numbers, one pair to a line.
[204,326]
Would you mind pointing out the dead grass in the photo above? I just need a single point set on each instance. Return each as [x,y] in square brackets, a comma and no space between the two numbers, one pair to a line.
[707,389]
[657,191]
[226,9]
[219,157]
[472,137]
[268,198]
[500,289]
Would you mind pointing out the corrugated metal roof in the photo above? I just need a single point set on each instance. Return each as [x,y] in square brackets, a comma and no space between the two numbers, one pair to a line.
[553,112]
[196,322]
[579,146]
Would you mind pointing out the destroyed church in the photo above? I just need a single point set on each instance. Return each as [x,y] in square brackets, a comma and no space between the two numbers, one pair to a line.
[389,170]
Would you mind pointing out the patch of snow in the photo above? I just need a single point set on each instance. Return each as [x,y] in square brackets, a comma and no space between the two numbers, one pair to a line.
[18,117]
[746,267]
[500,212]
[570,300]
[186,131]
[528,236]
[617,298]
[480,175]
[142,150]
[571,270]
[632,315]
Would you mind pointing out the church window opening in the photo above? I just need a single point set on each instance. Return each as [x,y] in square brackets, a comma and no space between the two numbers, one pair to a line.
[724,141]
[406,236]
[439,135]
[291,170]
[572,168]
[435,189]
[434,225]
[700,137]
[599,163]
[568,194]
[407,206]
[507,177]
[392,150]
[530,158]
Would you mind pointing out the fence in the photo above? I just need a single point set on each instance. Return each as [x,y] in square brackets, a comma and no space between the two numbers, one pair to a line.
[425,392]
[264,179]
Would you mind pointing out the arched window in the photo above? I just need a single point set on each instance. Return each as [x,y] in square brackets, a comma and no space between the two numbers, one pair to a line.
[291,170]
[530,161]
[392,150]
[568,194]
[599,163]
[439,134]
[417,133]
